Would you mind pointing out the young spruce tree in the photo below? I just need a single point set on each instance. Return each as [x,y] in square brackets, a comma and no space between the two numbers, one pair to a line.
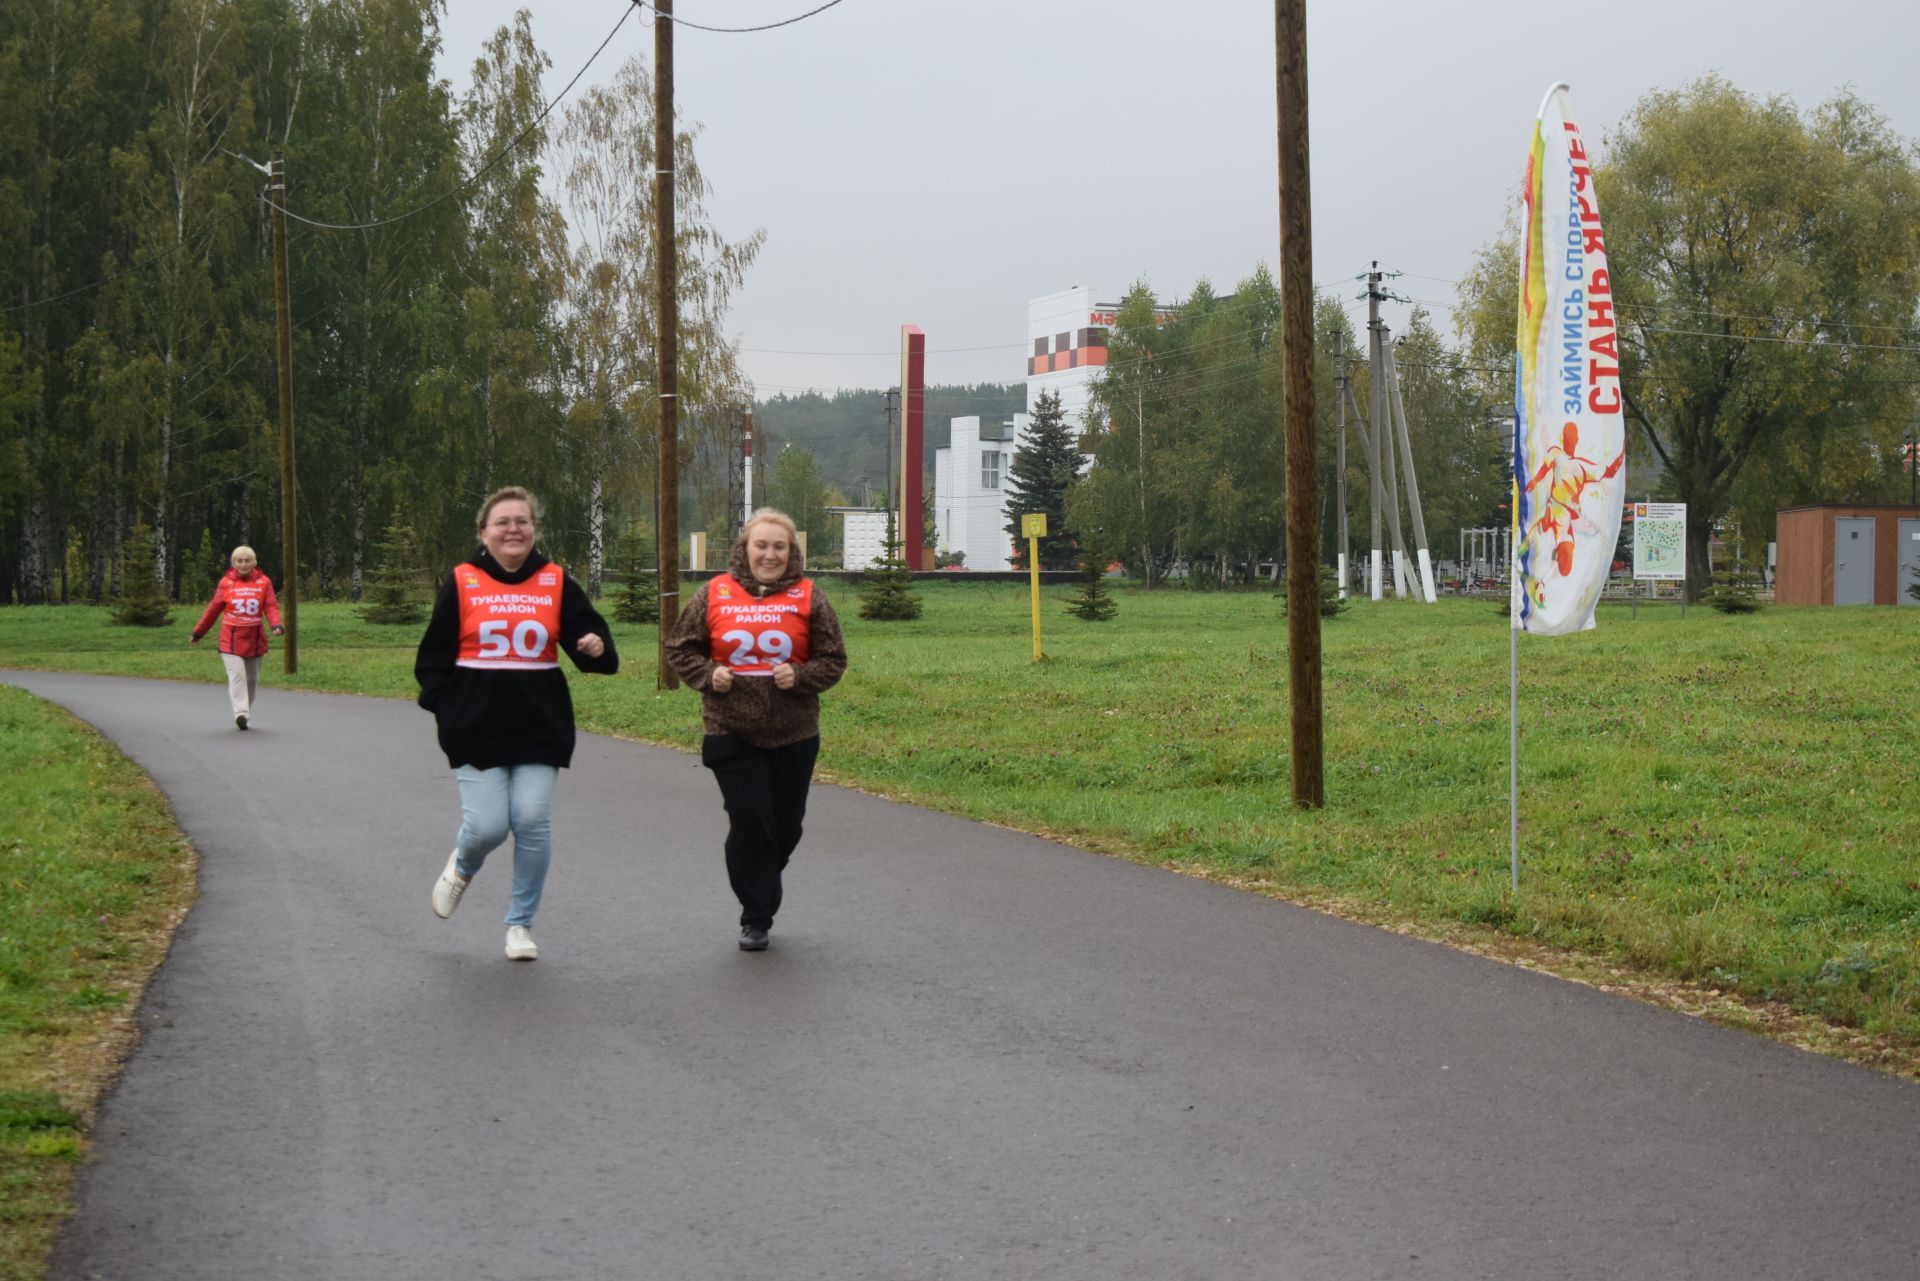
[141,603]
[393,595]
[638,600]
[1047,466]
[1095,603]
[1332,604]
[886,590]
[1733,591]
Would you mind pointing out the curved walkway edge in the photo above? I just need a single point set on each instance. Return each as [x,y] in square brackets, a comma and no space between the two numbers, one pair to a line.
[970,1053]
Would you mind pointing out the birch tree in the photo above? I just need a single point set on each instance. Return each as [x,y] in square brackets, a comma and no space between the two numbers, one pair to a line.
[613,374]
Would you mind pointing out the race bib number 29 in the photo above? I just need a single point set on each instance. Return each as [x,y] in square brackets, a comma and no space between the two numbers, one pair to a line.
[768,649]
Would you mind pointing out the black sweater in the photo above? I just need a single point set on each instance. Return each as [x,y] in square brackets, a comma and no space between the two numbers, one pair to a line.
[488,718]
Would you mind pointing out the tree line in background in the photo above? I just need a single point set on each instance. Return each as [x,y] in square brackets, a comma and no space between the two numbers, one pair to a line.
[466,332]
[457,328]
[1189,465]
[1766,264]
[820,450]
[1767,268]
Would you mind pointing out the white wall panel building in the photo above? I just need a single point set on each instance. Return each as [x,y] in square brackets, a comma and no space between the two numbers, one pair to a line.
[863,537]
[969,490]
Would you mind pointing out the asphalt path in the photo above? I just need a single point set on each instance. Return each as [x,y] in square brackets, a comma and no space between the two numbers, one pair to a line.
[970,1053]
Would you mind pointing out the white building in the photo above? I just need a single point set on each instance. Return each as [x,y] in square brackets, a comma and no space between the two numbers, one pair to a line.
[1067,337]
[969,491]
[863,537]
[1067,355]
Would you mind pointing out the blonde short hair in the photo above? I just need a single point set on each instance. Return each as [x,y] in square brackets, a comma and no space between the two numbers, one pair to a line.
[242,550]
[774,516]
[506,494]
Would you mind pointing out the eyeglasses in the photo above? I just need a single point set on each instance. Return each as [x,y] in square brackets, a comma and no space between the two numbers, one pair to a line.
[512,522]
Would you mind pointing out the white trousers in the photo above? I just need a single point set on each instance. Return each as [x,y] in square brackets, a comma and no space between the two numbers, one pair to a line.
[243,677]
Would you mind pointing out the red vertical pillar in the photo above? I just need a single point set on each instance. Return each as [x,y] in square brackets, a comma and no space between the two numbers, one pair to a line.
[913,433]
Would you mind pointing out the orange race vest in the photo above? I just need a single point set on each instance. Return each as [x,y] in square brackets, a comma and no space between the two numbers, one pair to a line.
[515,627]
[246,597]
[751,634]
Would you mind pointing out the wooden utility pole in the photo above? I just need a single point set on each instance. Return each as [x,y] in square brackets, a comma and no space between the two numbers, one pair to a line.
[668,352]
[1303,485]
[1140,430]
[283,353]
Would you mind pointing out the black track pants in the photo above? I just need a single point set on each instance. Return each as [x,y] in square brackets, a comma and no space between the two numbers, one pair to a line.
[765,789]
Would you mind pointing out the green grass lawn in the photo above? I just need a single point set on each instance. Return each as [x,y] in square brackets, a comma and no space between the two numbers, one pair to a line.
[93,877]
[1724,800]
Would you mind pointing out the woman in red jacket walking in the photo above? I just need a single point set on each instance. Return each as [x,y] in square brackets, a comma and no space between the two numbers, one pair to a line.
[246,596]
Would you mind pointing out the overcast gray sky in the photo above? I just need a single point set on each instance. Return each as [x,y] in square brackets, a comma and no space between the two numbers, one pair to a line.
[941,164]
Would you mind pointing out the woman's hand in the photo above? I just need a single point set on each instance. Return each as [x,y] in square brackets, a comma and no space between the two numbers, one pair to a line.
[193,640]
[722,680]
[591,645]
[784,676]
[279,630]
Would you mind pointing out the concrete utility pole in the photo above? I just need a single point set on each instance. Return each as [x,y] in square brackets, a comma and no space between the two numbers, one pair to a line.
[1303,480]
[1340,456]
[283,357]
[746,477]
[1390,467]
[668,540]
[1386,478]
[1424,586]
[1376,490]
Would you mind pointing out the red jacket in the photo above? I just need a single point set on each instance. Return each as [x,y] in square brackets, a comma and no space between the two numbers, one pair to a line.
[249,603]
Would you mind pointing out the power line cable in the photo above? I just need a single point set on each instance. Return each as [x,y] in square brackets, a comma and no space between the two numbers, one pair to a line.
[1786,342]
[1905,331]
[933,351]
[492,160]
[1018,346]
[1778,318]
[128,270]
[1629,308]
[738,31]
[330,226]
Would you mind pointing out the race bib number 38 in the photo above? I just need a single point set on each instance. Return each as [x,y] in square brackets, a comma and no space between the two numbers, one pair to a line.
[244,603]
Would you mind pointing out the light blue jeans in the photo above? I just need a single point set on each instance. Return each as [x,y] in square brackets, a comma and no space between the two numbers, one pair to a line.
[511,798]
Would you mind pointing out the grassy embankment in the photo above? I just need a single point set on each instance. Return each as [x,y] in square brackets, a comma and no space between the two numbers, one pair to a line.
[93,877]
[1721,803]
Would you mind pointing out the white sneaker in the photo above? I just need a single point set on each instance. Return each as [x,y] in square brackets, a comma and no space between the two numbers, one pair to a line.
[520,946]
[448,889]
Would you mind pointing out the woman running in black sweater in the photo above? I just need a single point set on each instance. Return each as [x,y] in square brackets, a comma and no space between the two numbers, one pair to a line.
[489,671]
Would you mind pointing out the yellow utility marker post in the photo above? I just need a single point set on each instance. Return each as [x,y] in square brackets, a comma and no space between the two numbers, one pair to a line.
[1033,527]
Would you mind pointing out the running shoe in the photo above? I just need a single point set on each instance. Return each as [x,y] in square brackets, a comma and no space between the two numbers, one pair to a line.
[448,889]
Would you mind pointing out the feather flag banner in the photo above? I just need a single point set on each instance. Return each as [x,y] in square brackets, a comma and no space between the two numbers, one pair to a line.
[1569,435]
